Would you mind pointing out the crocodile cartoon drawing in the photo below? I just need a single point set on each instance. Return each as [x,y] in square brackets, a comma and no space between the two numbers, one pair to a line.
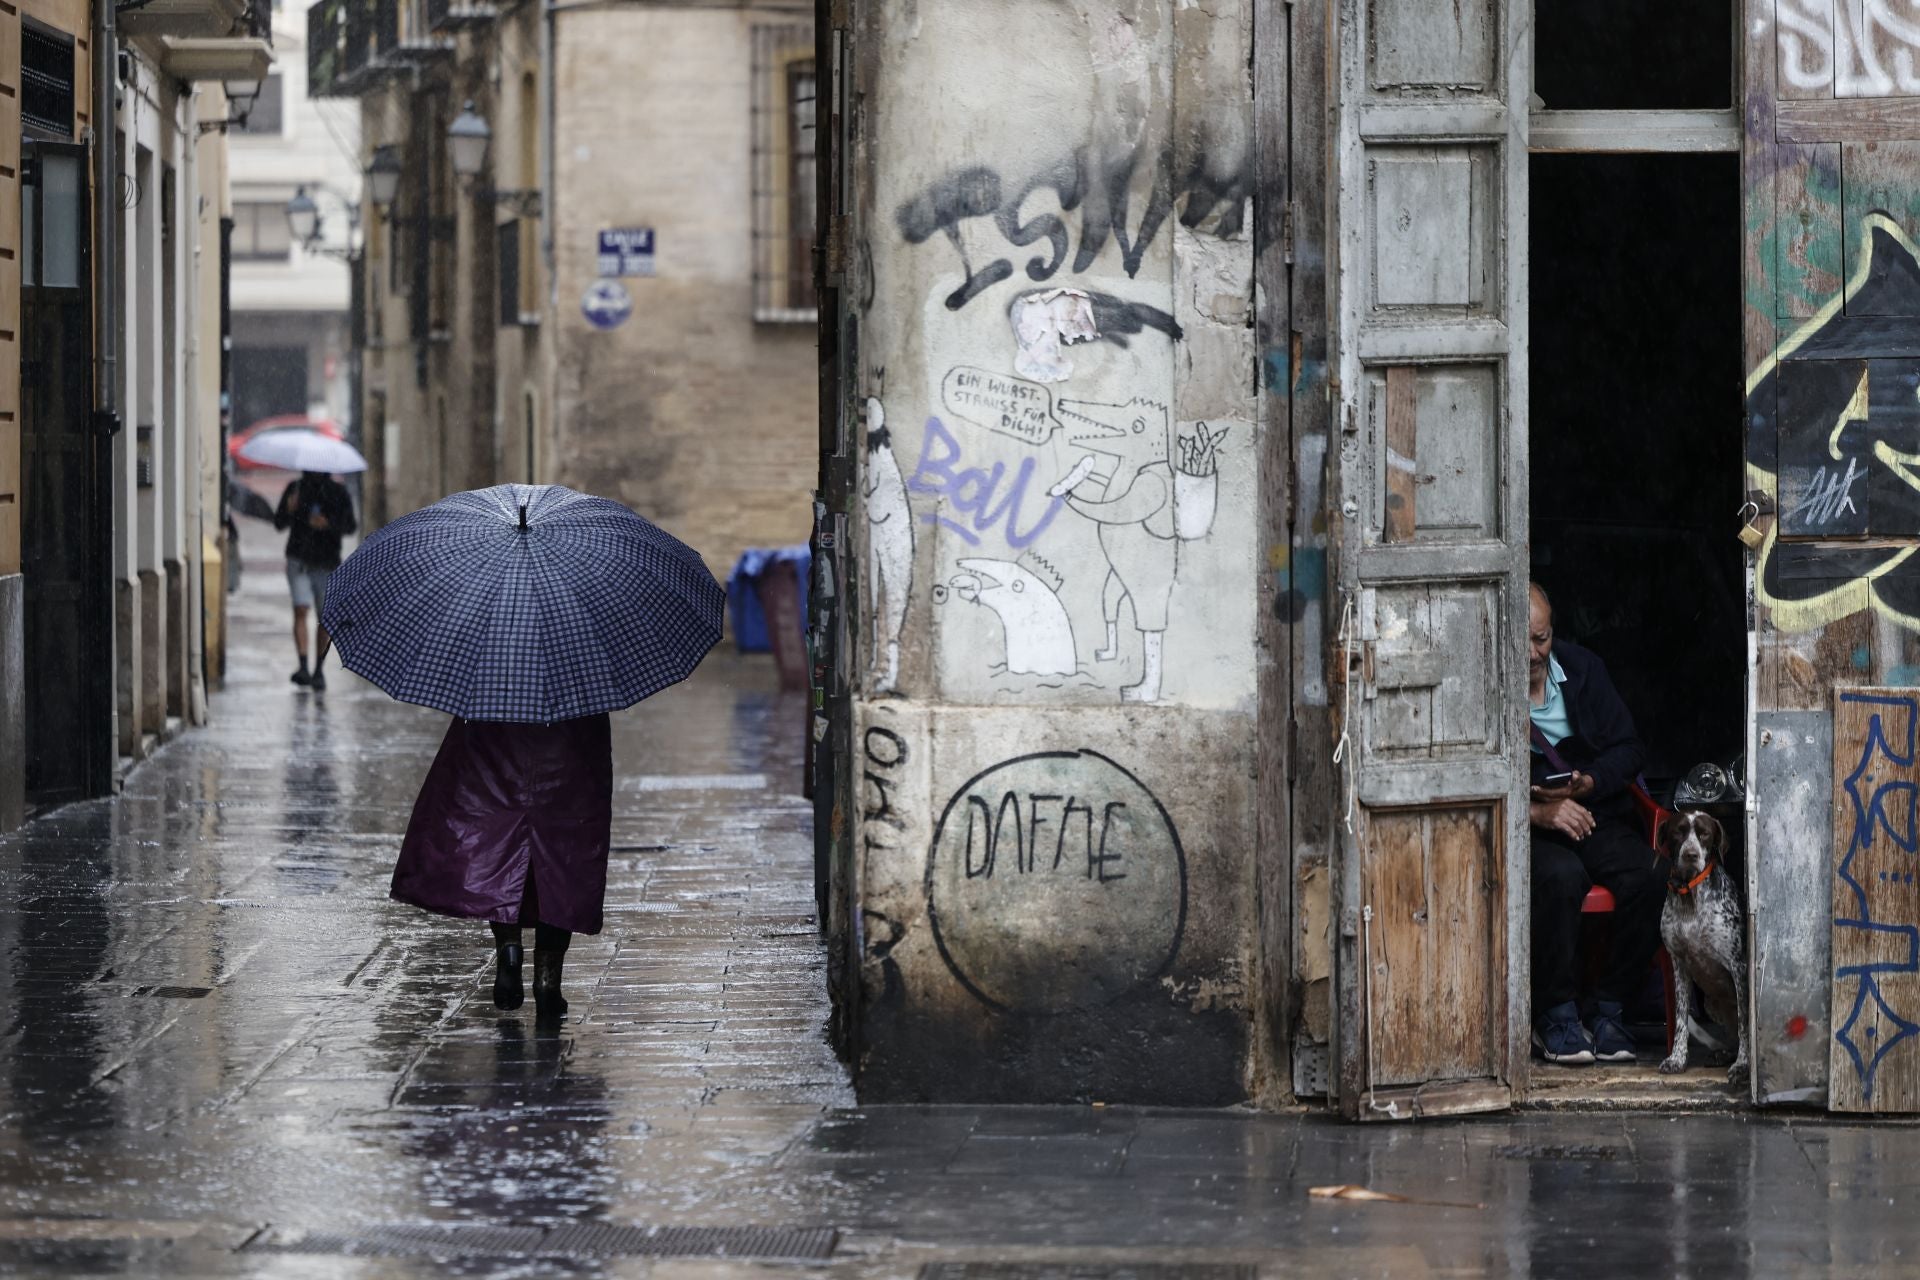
[1025,598]
[1145,506]
[889,547]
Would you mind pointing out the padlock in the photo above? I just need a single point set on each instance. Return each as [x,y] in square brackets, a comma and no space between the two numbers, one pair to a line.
[1751,536]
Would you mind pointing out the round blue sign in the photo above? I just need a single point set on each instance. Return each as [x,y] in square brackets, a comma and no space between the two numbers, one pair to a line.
[607,304]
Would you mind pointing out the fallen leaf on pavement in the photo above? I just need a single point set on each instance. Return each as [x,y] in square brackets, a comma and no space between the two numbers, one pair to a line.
[1353,1191]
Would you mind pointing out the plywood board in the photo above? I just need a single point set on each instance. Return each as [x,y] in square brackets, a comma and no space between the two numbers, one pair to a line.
[1879,177]
[1807,261]
[1790,920]
[1874,1053]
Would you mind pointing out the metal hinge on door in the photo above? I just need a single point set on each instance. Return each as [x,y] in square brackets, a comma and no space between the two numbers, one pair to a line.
[1286,233]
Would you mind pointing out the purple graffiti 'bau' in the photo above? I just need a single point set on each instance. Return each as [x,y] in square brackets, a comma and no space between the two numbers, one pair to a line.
[972,491]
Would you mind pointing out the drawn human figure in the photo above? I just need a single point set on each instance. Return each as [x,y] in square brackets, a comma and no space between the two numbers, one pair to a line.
[1039,634]
[889,547]
[1136,504]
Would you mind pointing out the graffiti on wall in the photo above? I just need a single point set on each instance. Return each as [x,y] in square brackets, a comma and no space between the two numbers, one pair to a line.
[1833,420]
[1094,188]
[1056,882]
[1876,939]
[1863,49]
[889,547]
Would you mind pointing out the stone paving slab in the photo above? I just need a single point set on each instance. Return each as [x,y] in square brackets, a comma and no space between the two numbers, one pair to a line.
[220,1031]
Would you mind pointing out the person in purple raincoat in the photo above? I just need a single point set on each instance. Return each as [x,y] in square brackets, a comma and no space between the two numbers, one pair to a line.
[512,826]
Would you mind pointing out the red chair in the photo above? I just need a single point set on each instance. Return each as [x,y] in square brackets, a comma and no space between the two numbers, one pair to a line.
[1599,901]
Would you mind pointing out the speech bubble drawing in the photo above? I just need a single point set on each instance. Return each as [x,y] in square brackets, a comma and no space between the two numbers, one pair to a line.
[1000,402]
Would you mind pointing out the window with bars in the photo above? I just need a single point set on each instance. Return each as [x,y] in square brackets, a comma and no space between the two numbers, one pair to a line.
[783,173]
[46,81]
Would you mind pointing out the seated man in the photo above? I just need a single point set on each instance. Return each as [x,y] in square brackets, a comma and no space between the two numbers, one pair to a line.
[1585,832]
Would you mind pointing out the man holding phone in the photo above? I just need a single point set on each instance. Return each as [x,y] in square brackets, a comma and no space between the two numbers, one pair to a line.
[1586,758]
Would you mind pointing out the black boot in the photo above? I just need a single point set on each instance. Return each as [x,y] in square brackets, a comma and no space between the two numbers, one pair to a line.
[508,991]
[548,1003]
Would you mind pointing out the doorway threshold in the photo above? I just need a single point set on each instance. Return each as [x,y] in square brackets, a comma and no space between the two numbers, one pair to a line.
[1640,1087]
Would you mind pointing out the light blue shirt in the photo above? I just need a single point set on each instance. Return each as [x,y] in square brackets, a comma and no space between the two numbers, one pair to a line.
[1550,718]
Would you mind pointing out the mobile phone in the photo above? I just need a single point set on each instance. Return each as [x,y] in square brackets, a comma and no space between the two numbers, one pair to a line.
[1555,779]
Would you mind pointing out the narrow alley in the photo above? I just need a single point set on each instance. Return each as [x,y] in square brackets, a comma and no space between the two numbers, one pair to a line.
[227,1053]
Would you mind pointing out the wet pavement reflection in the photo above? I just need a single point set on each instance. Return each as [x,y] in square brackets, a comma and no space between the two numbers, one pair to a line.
[220,1033]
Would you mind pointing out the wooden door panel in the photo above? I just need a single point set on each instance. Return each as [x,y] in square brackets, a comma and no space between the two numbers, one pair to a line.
[1428,522]
[1433,660]
[1433,46]
[1433,877]
[1435,227]
[1437,437]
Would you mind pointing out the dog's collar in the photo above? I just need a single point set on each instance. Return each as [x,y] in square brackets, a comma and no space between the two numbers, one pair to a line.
[1684,889]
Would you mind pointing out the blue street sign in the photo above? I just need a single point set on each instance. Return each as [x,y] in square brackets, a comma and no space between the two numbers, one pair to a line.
[607,304]
[625,251]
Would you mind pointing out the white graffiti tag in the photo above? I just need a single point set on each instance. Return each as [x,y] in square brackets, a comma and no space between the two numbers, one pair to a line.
[1851,48]
[1828,496]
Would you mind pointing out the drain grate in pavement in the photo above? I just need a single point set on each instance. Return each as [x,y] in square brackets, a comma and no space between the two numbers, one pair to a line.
[176,993]
[1577,1151]
[578,1240]
[1089,1271]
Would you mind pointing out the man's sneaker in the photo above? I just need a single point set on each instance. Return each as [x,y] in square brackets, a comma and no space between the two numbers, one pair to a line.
[1559,1036]
[1611,1043]
[319,682]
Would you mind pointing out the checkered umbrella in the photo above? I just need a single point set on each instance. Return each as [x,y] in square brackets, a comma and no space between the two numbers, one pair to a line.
[524,603]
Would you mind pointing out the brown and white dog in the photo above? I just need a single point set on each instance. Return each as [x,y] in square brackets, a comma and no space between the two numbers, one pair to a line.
[1701,927]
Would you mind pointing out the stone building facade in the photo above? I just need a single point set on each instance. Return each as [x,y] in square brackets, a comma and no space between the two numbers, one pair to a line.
[505,342]
[110,253]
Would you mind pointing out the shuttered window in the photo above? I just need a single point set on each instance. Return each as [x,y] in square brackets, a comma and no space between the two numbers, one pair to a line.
[46,81]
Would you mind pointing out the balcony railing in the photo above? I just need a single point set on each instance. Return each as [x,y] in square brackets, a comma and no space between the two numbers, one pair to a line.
[354,45]
[451,15]
[195,19]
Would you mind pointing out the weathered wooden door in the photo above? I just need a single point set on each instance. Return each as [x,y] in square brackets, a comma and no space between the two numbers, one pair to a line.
[1429,504]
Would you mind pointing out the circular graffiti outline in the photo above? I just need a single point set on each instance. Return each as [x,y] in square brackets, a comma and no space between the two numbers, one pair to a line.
[933,854]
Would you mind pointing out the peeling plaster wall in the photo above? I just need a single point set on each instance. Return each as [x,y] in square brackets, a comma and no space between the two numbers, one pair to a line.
[1058,557]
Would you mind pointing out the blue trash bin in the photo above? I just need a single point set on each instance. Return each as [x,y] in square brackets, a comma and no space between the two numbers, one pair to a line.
[744,611]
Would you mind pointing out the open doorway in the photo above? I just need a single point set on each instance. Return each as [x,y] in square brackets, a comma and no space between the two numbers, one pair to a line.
[1635,441]
[1635,428]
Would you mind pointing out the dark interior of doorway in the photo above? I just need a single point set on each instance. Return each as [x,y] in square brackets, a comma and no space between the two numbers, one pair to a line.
[1635,436]
[1624,55]
[1635,473]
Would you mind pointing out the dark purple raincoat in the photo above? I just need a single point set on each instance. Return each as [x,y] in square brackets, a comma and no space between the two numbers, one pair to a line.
[512,825]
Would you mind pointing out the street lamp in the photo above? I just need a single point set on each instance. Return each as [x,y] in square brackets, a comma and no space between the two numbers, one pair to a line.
[467,139]
[303,221]
[240,96]
[303,217]
[383,176]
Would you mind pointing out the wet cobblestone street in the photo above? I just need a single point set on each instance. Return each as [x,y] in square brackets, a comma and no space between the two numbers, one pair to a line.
[227,1053]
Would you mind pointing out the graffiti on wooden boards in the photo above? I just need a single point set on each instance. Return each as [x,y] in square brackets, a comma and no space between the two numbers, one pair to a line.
[1833,422]
[1864,49]
[1876,933]
[1056,882]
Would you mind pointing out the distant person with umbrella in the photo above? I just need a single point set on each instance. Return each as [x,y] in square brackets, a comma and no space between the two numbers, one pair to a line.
[317,512]
[528,613]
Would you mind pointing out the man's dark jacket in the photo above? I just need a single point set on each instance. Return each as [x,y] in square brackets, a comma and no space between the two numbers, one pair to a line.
[1602,743]
[316,548]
